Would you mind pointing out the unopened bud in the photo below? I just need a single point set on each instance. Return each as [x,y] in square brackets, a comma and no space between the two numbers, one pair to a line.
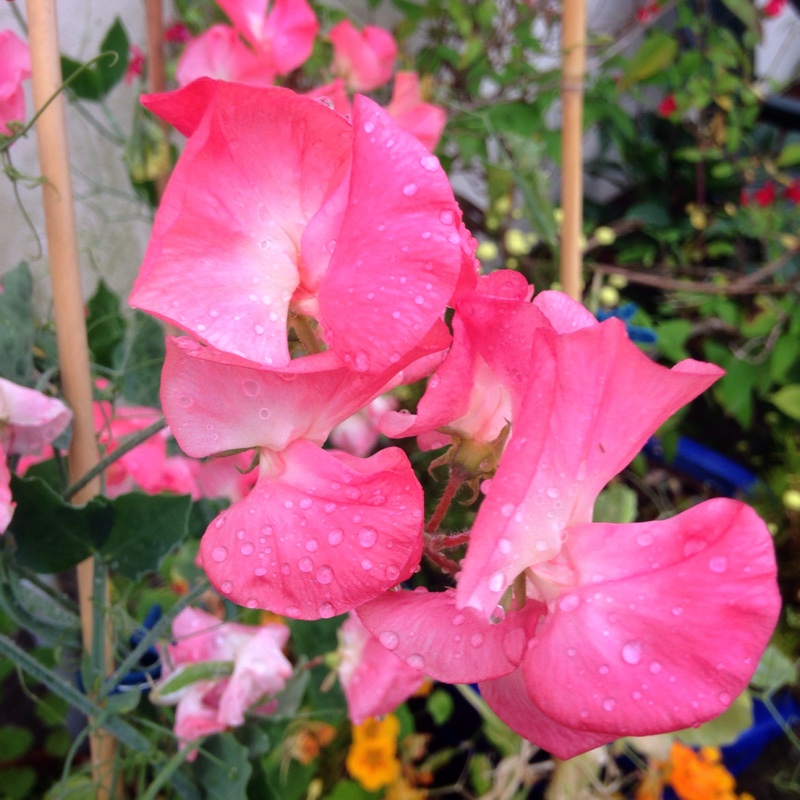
[605,235]
[791,500]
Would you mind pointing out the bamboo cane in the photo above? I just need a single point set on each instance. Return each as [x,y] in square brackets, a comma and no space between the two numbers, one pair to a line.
[573,40]
[71,337]
[156,69]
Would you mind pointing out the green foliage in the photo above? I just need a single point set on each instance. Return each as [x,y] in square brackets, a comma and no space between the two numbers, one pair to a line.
[139,359]
[105,326]
[95,79]
[17,331]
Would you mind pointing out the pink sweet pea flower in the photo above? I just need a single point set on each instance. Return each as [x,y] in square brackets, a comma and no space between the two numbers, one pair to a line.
[334,95]
[6,504]
[359,434]
[365,60]
[374,680]
[220,53]
[425,120]
[283,31]
[15,66]
[321,532]
[609,629]
[210,706]
[242,241]
[29,420]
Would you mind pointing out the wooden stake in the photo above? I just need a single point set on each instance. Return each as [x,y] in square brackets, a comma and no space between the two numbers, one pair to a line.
[156,69]
[573,40]
[71,337]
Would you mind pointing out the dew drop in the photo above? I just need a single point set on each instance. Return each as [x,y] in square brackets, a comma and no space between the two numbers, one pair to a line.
[430,163]
[718,564]
[324,574]
[366,564]
[264,413]
[389,639]
[361,361]
[497,582]
[335,536]
[507,510]
[326,610]
[392,572]
[458,619]
[250,388]
[632,652]
[692,546]
[609,704]
[504,546]
[312,545]
[330,507]
[677,611]
[552,492]
[644,539]
[569,602]
[476,640]
[185,401]
[247,549]
[446,217]
[259,572]
[367,537]
[292,611]
[655,667]
[603,669]
[306,502]
[416,661]
[305,565]
[219,554]
[724,698]
[369,127]
[226,587]
[410,189]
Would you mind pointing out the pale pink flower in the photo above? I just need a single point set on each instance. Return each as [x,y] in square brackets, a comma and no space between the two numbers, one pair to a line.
[220,53]
[364,59]
[282,32]
[15,67]
[359,434]
[374,680]
[29,420]
[259,671]
[609,629]
[425,120]
[6,503]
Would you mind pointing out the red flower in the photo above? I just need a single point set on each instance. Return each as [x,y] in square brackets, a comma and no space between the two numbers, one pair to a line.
[177,33]
[667,107]
[646,12]
[744,198]
[135,64]
[792,193]
[765,196]
[774,7]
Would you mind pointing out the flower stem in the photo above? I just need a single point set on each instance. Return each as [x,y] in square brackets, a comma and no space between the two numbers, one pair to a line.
[453,485]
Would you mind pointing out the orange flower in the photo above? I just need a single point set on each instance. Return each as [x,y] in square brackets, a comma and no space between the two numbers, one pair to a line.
[372,758]
[700,776]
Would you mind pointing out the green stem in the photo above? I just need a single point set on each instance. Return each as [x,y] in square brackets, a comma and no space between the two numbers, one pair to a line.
[125,446]
[305,333]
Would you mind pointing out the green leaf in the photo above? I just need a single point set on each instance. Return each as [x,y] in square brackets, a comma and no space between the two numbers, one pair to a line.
[84,81]
[222,769]
[350,790]
[725,728]
[140,359]
[75,787]
[735,390]
[784,356]
[169,691]
[787,400]
[440,706]
[657,52]
[57,742]
[52,535]
[774,670]
[16,326]
[651,214]
[617,503]
[124,702]
[112,69]
[17,782]
[104,325]
[14,742]
[672,337]
[146,527]
[790,155]
[747,13]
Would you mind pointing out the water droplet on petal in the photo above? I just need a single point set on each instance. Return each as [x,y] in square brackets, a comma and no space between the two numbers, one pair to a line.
[458,619]
[446,217]
[312,545]
[476,640]
[306,502]
[632,652]
[603,669]
[367,537]
[247,548]
[718,564]
[692,546]
[552,492]
[392,572]
[677,611]
[645,539]
[410,189]
[264,413]
[335,537]
[366,564]
[416,661]
[326,610]
[430,163]
[226,587]
[219,554]
[361,361]
[324,574]
[250,388]
[608,704]
[305,565]
[569,602]
[504,546]
[655,667]
[369,127]
[724,698]
[507,510]
[497,582]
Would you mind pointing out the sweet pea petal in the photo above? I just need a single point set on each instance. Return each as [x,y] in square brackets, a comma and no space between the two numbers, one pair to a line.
[375,681]
[397,258]
[200,636]
[261,669]
[6,504]
[364,59]
[424,120]
[29,420]
[428,632]
[196,715]
[323,534]
[225,256]
[184,108]
[566,445]
[289,31]
[564,314]
[215,403]
[509,699]
[665,625]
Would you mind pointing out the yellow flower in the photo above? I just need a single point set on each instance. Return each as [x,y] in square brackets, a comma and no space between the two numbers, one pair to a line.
[372,758]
